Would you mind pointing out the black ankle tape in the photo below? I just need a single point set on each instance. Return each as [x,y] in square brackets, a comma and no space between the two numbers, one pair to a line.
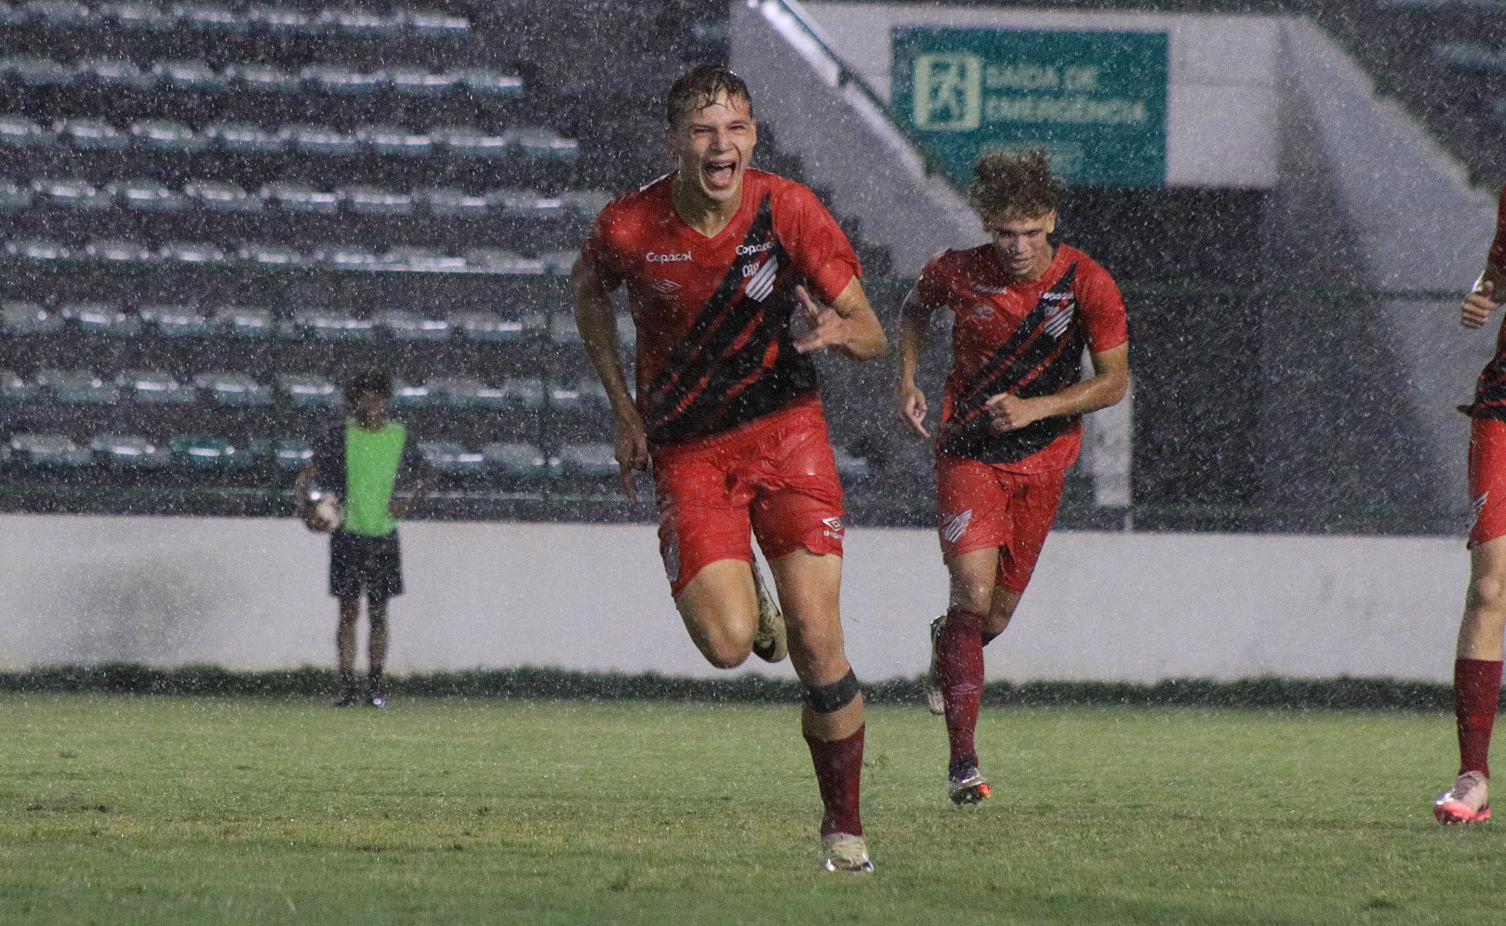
[827,699]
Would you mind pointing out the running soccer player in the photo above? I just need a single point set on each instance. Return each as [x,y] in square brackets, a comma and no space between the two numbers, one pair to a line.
[359,461]
[1477,658]
[1023,312]
[718,258]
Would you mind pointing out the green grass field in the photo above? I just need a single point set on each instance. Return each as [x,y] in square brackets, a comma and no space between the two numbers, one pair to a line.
[176,810]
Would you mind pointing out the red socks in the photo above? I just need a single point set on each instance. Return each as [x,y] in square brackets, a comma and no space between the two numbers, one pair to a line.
[839,773]
[959,667]
[1477,693]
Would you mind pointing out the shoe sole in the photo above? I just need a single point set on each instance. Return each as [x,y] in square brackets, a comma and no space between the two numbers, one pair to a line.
[973,794]
[1450,812]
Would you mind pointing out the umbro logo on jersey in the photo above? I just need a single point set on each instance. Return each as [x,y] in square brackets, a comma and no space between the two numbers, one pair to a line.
[665,287]
[1058,317]
[954,527]
[761,283]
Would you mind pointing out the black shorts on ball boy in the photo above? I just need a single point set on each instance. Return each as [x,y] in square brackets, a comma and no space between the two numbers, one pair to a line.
[370,564]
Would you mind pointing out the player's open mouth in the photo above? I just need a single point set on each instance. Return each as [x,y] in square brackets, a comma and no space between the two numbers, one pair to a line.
[720,173]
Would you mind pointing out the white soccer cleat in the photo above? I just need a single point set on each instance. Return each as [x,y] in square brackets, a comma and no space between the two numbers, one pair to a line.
[1468,801]
[846,853]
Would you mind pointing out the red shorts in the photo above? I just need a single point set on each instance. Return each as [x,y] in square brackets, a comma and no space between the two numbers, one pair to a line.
[979,505]
[774,478]
[1487,479]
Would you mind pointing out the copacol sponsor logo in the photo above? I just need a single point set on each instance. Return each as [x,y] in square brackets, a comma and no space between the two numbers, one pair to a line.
[745,249]
[653,258]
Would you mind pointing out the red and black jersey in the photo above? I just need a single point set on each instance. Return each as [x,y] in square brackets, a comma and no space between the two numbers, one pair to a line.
[1490,388]
[713,314]
[1024,338]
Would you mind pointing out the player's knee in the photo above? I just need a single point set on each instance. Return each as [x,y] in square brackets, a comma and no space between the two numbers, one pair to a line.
[828,699]
[973,595]
[1488,593]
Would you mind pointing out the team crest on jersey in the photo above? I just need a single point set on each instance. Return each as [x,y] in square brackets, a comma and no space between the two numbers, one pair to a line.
[665,287]
[955,526]
[1060,308]
[834,528]
[760,278]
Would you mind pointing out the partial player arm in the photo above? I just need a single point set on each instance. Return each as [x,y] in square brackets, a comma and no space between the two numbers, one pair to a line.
[400,508]
[1106,387]
[915,318]
[302,490]
[598,329]
[847,326]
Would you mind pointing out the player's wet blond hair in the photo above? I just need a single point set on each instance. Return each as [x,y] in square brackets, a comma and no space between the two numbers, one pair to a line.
[699,87]
[1014,184]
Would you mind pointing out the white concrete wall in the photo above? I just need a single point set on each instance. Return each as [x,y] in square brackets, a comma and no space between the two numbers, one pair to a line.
[249,594]
[1221,86]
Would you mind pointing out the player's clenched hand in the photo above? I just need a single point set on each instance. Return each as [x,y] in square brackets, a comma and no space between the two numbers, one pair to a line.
[1478,305]
[1008,412]
[632,452]
[912,409]
[827,326]
[309,512]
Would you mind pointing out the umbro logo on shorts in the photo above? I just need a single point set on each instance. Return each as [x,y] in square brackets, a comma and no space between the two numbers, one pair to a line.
[954,527]
[833,527]
[1478,506]
[665,287]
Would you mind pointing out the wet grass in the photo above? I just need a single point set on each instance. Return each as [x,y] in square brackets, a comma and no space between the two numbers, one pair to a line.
[190,810]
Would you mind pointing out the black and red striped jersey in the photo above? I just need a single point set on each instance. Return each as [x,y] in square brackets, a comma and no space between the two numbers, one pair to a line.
[1490,388]
[1024,338]
[713,314]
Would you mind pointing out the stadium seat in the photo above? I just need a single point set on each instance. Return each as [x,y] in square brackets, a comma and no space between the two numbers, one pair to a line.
[194,252]
[542,143]
[309,391]
[465,392]
[300,197]
[278,20]
[562,328]
[57,14]
[43,249]
[48,450]
[331,78]
[588,460]
[348,258]
[411,395]
[243,322]
[11,16]
[236,389]
[155,388]
[503,261]
[411,81]
[118,251]
[319,140]
[35,72]
[515,460]
[246,139]
[78,387]
[91,135]
[21,318]
[264,78]
[367,200]
[271,255]
[178,321]
[849,466]
[559,263]
[190,75]
[13,196]
[221,197]
[147,196]
[524,204]
[144,17]
[332,325]
[564,398]
[469,142]
[423,260]
[360,23]
[70,193]
[585,204]
[525,392]
[395,140]
[16,389]
[593,395]
[128,451]
[488,326]
[410,326]
[16,132]
[426,24]
[116,74]
[208,454]
[100,319]
[451,459]
[485,83]
[169,135]
[292,454]
[451,203]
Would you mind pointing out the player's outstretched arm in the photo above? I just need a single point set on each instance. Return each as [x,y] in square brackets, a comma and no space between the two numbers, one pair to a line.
[1106,387]
[598,329]
[847,326]
[915,317]
[1478,305]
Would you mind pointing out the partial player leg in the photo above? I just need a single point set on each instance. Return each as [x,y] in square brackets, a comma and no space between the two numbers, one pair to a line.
[376,651]
[345,649]
[720,609]
[1477,684]
[832,718]
[959,668]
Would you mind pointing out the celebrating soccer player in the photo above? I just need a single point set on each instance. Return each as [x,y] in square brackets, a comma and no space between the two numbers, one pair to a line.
[1477,660]
[718,258]
[359,461]
[1023,312]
